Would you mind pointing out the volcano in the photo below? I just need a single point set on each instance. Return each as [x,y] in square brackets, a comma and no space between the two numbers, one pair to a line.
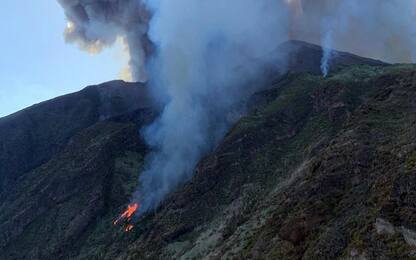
[318,168]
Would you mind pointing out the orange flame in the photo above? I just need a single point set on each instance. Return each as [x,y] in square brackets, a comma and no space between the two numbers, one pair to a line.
[127,215]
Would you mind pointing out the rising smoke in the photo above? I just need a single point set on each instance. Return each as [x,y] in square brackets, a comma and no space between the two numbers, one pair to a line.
[326,50]
[203,57]
[208,55]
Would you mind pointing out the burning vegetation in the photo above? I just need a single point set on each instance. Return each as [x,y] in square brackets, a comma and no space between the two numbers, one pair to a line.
[126,216]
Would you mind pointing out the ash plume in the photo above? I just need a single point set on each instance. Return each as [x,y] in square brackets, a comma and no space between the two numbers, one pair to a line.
[96,24]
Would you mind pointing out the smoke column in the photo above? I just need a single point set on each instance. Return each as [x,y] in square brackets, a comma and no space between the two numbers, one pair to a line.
[208,55]
[327,51]
[330,25]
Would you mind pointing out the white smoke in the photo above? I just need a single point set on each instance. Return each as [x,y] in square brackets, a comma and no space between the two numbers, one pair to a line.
[208,54]
[335,22]
[327,51]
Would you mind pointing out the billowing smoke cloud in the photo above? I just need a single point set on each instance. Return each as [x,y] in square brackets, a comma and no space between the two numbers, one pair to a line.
[95,24]
[208,55]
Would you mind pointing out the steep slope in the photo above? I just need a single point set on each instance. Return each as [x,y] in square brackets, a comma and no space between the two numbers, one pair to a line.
[30,137]
[318,168]
[52,208]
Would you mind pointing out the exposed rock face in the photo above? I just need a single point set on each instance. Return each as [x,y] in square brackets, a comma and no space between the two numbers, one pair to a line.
[318,169]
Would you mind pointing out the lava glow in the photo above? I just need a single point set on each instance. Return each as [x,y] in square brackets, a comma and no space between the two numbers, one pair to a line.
[126,216]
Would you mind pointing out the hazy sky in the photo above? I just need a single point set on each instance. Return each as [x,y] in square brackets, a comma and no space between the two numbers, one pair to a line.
[36,64]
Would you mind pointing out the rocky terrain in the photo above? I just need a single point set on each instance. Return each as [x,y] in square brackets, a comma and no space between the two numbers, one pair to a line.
[319,168]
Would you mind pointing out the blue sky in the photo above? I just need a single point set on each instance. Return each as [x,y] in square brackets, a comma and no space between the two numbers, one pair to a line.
[36,64]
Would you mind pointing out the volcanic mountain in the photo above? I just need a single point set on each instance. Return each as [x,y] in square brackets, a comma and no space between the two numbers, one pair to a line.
[318,168]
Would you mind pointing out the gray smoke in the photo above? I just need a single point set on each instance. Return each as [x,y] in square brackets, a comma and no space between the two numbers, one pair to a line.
[95,24]
[208,55]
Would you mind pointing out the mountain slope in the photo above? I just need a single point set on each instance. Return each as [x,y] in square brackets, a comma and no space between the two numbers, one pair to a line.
[30,137]
[310,175]
[319,168]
